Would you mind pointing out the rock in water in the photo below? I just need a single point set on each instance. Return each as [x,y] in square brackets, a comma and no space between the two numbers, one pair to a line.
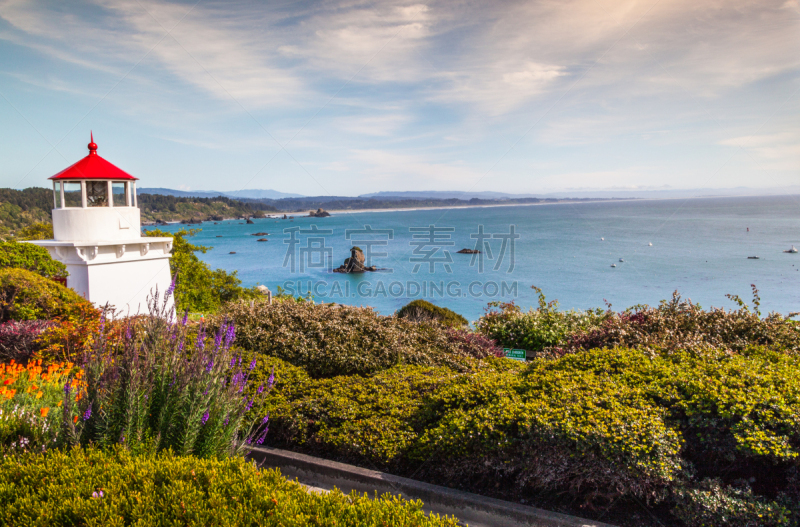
[319,213]
[250,222]
[354,264]
[468,251]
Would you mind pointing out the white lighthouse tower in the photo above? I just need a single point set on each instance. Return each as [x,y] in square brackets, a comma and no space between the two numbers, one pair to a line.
[97,231]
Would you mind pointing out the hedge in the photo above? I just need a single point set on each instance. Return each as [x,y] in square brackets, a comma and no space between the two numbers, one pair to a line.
[329,340]
[92,487]
[599,428]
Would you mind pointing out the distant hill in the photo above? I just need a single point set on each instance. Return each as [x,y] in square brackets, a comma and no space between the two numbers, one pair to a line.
[236,194]
[444,194]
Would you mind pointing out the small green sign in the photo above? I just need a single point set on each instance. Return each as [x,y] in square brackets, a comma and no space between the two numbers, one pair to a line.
[514,354]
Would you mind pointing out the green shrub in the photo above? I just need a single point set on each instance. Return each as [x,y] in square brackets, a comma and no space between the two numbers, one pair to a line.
[30,257]
[538,329]
[200,289]
[36,231]
[25,295]
[713,504]
[328,340]
[92,487]
[673,325]
[423,311]
[599,427]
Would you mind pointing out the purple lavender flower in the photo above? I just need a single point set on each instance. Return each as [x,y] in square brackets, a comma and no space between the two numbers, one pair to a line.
[67,388]
[252,364]
[185,318]
[210,365]
[128,334]
[249,405]
[102,323]
[260,389]
[88,413]
[230,335]
[205,417]
[200,345]
[226,420]
[171,288]
[218,337]
[265,420]
[180,346]
[233,362]
[271,379]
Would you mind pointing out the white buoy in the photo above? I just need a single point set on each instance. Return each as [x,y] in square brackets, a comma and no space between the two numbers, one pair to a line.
[650,244]
[602,239]
[613,265]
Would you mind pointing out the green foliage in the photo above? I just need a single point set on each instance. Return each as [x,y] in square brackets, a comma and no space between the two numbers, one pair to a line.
[538,329]
[673,325]
[36,231]
[30,257]
[28,296]
[170,208]
[601,426]
[166,390]
[679,324]
[328,340]
[92,487]
[421,310]
[20,208]
[199,288]
[715,504]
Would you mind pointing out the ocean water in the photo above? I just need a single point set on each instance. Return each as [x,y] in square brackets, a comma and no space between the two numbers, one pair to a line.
[700,247]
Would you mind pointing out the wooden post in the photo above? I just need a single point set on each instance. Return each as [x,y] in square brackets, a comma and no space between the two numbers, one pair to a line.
[269,297]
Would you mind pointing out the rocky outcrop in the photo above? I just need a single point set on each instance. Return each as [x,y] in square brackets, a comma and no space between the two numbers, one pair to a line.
[468,251]
[215,217]
[250,222]
[319,213]
[262,240]
[192,221]
[354,264]
[260,234]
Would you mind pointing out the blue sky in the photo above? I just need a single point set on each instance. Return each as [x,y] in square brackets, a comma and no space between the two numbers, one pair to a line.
[347,97]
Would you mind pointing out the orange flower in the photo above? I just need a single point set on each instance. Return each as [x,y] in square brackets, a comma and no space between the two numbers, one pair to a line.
[44,411]
[59,403]
[39,395]
[75,419]
[8,381]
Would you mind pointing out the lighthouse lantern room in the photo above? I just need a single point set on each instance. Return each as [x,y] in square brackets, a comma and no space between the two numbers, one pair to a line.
[97,235]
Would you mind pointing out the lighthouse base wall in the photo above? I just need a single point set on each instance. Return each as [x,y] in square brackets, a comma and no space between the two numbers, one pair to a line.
[122,274]
[124,285]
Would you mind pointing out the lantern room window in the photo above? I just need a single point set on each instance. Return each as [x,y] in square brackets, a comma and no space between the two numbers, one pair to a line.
[57,198]
[119,194]
[72,194]
[97,194]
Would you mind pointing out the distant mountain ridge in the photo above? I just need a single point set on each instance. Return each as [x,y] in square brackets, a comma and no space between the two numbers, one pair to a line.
[236,194]
[578,193]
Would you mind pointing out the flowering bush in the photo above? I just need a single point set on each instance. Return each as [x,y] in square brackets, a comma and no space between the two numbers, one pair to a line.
[71,335]
[31,399]
[156,388]
[95,487]
[18,339]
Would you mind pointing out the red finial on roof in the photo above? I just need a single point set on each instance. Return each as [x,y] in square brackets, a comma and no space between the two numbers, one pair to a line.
[92,144]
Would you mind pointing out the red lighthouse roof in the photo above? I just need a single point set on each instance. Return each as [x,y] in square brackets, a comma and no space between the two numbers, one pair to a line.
[93,167]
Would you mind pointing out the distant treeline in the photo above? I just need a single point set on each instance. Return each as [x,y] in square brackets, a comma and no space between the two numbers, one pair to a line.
[158,202]
[21,208]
